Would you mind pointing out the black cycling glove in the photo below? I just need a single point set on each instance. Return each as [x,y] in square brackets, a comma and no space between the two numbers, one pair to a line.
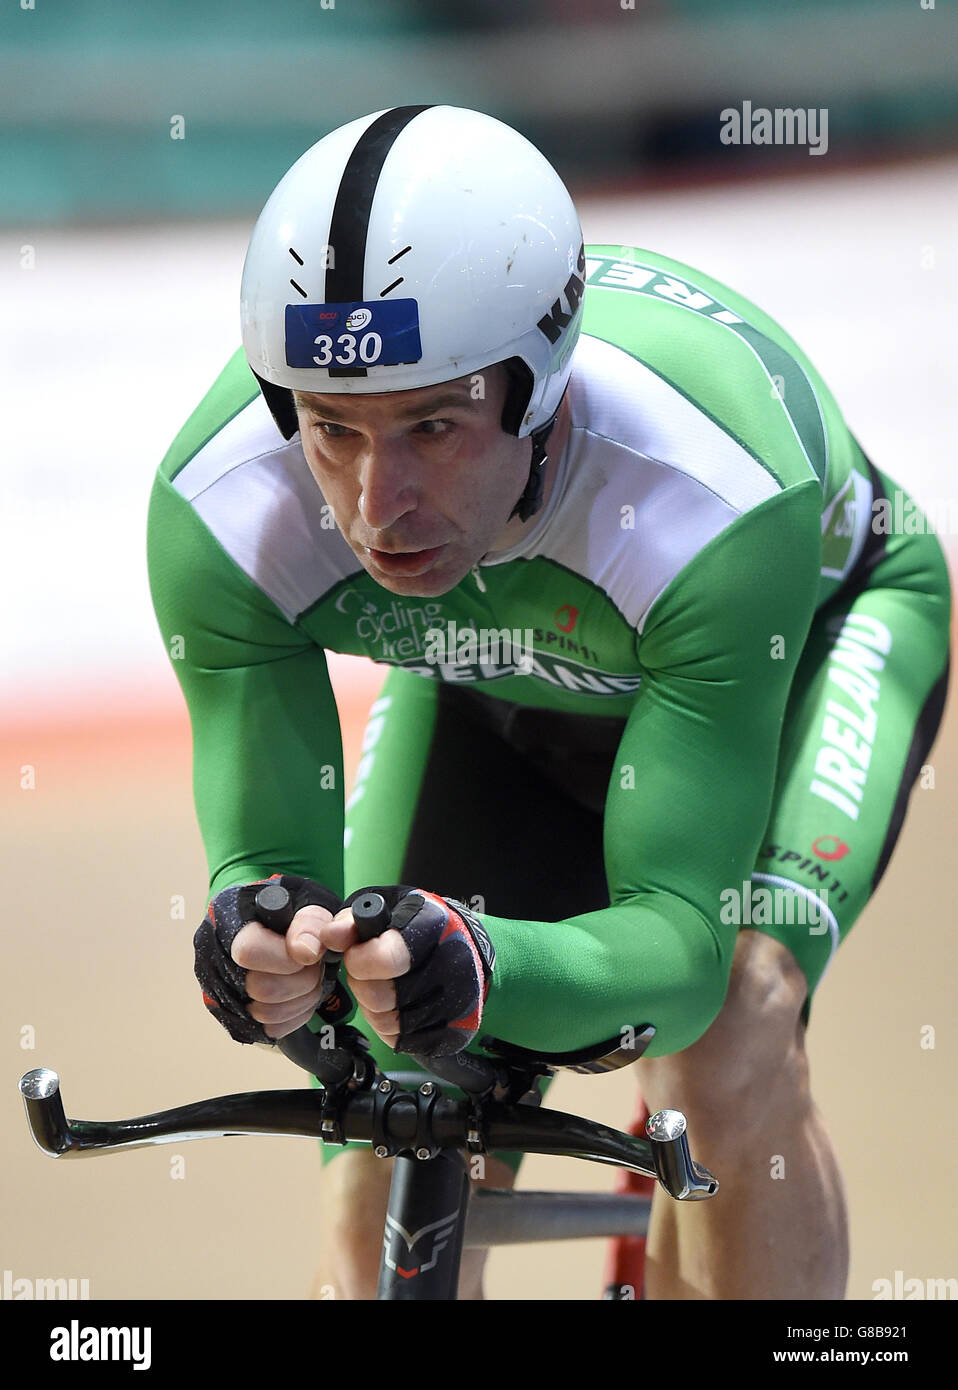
[441,997]
[224,982]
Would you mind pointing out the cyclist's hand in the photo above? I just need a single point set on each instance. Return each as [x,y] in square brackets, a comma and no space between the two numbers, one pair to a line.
[421,984]
[257,984]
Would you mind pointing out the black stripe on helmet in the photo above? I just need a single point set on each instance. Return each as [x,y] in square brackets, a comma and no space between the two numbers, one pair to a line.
[349,224]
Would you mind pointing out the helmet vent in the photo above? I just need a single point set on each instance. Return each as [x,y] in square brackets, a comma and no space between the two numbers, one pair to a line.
[392,286]
[298,258]
[396,257]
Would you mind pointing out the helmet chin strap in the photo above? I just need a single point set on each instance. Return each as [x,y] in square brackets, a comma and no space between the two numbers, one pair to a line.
[531,499]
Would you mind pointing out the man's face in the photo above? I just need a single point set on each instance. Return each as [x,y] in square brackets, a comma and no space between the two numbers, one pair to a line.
[429,472]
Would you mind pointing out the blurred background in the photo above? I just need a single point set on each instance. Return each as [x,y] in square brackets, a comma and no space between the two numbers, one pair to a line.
[138,145]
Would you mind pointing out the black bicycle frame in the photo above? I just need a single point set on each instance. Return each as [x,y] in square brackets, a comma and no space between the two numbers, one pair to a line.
[425,1225]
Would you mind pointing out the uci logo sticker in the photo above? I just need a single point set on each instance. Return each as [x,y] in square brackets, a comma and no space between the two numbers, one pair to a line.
[359,318]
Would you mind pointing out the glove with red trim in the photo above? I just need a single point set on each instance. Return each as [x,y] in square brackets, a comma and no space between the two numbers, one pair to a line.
[224,982]
[440,998]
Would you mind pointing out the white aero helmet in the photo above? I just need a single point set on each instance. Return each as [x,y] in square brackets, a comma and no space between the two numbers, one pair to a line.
[411,247]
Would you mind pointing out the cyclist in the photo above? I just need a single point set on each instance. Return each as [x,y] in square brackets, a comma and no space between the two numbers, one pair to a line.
[668,796]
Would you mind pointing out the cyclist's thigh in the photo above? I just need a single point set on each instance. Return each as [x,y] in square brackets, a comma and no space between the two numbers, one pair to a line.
[864,710]
[451,803]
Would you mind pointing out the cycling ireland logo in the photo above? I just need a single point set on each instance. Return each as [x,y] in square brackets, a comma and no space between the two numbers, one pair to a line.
[409,633]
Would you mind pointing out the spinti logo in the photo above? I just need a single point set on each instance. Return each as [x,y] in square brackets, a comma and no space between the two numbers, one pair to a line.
[76,1343]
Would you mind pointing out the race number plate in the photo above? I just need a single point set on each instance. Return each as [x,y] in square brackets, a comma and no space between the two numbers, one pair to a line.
[355,335]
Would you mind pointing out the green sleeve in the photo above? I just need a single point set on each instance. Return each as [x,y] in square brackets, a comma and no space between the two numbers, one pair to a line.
[267,748]
[717,653]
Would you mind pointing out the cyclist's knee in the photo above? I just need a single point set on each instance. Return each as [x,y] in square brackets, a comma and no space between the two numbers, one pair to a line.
[752,1058]
[354,1191]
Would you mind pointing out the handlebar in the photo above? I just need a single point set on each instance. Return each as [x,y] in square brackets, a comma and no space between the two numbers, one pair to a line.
[359,1103]
[392,1119]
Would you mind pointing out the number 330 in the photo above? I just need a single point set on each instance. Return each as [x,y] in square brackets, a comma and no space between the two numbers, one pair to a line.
[370,346]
